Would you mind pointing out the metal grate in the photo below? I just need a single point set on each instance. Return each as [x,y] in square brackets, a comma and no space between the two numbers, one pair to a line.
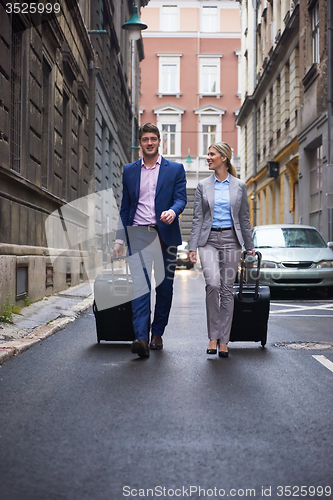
[298,265]
[16,96]
[49,275]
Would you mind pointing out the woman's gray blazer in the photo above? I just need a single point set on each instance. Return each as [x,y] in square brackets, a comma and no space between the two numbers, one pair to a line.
[203,212]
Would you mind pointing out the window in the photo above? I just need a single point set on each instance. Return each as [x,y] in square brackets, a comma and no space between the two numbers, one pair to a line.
[49,275]
[315,33]
[209,19]
[46,135]
[21,280]
[169,121]
[316,186]
[169,75]
[168,139]
[16,96]
[239,71]
[68,274]
[210,127]
[170,18]
[208,137]
[169,78]
[65,142]
[209,76]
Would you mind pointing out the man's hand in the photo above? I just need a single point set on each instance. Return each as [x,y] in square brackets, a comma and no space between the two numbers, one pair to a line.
[252,252]
[168,216]
[118,250]
[193,256]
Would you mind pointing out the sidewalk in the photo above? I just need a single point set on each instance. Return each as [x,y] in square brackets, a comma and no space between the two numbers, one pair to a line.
[43,318]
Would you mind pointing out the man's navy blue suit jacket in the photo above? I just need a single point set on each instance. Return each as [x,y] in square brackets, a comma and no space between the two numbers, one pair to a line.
[170,193]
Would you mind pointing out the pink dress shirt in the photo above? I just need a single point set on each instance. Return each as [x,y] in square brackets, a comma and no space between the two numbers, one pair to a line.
[145,212]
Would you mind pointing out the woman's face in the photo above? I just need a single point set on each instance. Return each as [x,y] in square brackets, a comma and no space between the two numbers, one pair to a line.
[215,160]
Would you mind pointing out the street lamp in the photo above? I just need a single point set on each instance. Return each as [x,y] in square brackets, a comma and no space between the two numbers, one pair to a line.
[134,25]
[189,159]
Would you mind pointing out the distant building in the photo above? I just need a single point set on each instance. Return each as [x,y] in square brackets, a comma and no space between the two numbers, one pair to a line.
[190,86]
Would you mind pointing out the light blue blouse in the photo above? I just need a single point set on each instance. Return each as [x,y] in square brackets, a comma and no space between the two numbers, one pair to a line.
[222,213]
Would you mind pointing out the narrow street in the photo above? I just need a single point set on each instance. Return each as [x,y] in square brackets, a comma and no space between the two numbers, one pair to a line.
[82,421]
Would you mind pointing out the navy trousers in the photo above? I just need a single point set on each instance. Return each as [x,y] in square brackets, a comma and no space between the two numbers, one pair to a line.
[147,253]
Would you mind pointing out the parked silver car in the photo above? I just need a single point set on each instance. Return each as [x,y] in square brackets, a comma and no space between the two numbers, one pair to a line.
[293,256]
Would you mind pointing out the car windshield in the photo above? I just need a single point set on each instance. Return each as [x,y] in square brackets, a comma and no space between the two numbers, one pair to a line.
[287,238]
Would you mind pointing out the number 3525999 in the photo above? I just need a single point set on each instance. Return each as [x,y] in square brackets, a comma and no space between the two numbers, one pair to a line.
[303,491]
[32,8]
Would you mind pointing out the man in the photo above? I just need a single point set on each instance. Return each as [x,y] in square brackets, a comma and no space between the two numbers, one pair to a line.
[154,195]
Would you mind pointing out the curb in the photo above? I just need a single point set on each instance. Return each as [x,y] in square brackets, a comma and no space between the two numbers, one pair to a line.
[10,349]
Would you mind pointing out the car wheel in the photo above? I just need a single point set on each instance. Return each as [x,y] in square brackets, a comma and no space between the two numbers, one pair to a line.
[189,265]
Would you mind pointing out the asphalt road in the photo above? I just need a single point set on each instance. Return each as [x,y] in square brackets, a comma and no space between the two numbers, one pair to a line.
[82,421]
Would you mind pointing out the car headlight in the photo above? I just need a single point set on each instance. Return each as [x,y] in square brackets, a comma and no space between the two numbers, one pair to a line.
[324,264]
[266,264]
[183,256]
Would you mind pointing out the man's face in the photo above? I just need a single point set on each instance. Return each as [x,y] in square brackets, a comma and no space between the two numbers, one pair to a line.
[149,143]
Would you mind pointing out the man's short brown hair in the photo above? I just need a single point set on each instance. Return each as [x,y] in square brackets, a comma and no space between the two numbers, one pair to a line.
[148,127]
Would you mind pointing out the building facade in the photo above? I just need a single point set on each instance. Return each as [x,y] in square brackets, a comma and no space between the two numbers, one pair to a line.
[315,129]
[65,133]
[269,116]
[284,117]
[190,85]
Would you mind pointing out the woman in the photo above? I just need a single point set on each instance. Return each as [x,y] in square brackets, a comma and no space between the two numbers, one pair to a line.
[220,227]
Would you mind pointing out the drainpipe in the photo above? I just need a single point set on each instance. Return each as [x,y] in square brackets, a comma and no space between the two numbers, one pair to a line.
[329,80]
[254,116]
[329,117]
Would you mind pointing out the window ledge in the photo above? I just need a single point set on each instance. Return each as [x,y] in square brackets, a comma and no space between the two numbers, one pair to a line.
[210,94]
[161,94]
[310,76]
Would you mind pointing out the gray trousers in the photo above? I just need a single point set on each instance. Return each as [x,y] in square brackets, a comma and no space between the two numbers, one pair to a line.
[219,259]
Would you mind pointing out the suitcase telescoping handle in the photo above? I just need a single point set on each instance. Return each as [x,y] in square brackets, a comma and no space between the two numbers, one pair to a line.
[121,257]
[256,288]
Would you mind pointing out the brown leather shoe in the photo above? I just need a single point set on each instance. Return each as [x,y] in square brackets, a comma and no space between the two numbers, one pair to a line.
[156,342]
[141,348]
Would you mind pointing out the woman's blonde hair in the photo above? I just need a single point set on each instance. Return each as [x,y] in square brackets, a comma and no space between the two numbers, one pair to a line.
[225,150]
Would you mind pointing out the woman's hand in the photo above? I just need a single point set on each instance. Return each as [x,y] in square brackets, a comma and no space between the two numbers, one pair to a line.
[193,256]
[252,252]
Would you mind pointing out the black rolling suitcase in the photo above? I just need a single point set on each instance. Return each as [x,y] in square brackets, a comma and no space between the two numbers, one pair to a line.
[251,309]
[112,305]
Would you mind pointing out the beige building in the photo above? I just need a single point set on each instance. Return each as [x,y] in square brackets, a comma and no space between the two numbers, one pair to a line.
[285,117]
[269,115]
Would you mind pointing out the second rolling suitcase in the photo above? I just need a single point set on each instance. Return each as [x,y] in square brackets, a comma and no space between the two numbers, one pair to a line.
[251,309]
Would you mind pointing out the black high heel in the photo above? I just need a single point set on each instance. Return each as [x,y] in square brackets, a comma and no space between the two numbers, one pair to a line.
[213,351]
[223,354]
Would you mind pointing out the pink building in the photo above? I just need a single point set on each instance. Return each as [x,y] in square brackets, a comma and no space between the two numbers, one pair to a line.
[190,85]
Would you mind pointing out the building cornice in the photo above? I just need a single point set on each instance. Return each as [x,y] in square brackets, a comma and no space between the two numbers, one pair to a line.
[245,109]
